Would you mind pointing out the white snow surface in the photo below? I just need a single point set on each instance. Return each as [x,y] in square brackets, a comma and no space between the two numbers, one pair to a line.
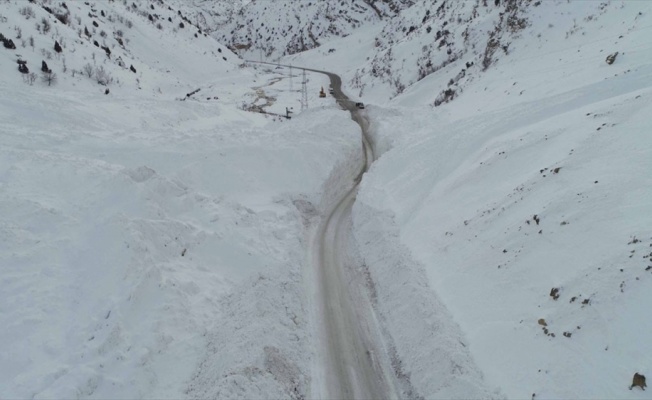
[157,248]
[151,245]
[448,218]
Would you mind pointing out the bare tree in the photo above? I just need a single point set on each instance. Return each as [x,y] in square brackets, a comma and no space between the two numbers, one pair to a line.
[88,70]
[49,77]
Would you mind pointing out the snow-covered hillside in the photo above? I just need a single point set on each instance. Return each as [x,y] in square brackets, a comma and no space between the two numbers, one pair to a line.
[143,228]
[516,216]
[155,235]
[109,45]
[271,29]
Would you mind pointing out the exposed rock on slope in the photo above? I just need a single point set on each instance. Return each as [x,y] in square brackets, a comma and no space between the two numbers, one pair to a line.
[276,28]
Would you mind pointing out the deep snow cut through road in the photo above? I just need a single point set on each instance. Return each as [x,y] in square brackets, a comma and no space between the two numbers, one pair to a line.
[353,358]
[352,361]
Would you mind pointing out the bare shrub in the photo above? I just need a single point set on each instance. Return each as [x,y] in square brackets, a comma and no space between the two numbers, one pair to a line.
[49,77]
[45,25]
[46,53]
[88,70]
[102,76]
[27,12]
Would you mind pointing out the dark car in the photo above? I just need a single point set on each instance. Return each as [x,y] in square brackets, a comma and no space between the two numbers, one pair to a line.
[359,105]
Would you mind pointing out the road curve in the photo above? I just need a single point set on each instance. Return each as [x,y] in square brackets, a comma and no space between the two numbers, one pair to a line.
[352,359]
[351,345]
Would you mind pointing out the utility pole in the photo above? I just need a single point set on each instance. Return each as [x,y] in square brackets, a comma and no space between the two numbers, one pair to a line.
[304,92]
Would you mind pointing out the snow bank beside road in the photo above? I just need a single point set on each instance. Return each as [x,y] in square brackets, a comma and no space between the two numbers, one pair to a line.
[125,224]
[264,342]
[428,351]
[530,222]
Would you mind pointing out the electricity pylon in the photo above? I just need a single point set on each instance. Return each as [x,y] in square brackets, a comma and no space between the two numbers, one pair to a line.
[304,92]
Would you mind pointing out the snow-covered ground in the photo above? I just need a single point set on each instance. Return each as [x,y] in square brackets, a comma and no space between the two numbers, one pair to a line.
[153,247]
[156,248]
[536,177]
[121,236]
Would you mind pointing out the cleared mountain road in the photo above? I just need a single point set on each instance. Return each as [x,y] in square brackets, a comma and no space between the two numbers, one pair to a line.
[352,361]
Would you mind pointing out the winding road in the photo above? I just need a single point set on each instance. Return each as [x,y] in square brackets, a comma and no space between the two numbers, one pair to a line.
[352,361]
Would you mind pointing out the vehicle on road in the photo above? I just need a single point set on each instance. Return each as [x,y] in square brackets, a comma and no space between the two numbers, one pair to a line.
[359,105]
[331,90]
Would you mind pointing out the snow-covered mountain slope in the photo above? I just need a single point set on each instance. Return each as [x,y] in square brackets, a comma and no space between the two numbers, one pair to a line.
[525,202]
[459,40]
[116,45]
[153,247]
[429,36]
[138,226]
[270,29]
[455,209]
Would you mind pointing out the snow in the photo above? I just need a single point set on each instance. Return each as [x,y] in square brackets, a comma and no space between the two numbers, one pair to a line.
[461,188]
[118,245]
[137,228]
[154,244]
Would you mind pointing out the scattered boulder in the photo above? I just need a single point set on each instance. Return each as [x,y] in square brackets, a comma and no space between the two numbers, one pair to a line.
[22,67]
[8,43]
[554,293]
[611,58]
[638,380]
[542,322]
[44,67]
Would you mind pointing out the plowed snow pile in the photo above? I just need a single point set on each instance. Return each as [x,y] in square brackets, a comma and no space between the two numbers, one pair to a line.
[527,203]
